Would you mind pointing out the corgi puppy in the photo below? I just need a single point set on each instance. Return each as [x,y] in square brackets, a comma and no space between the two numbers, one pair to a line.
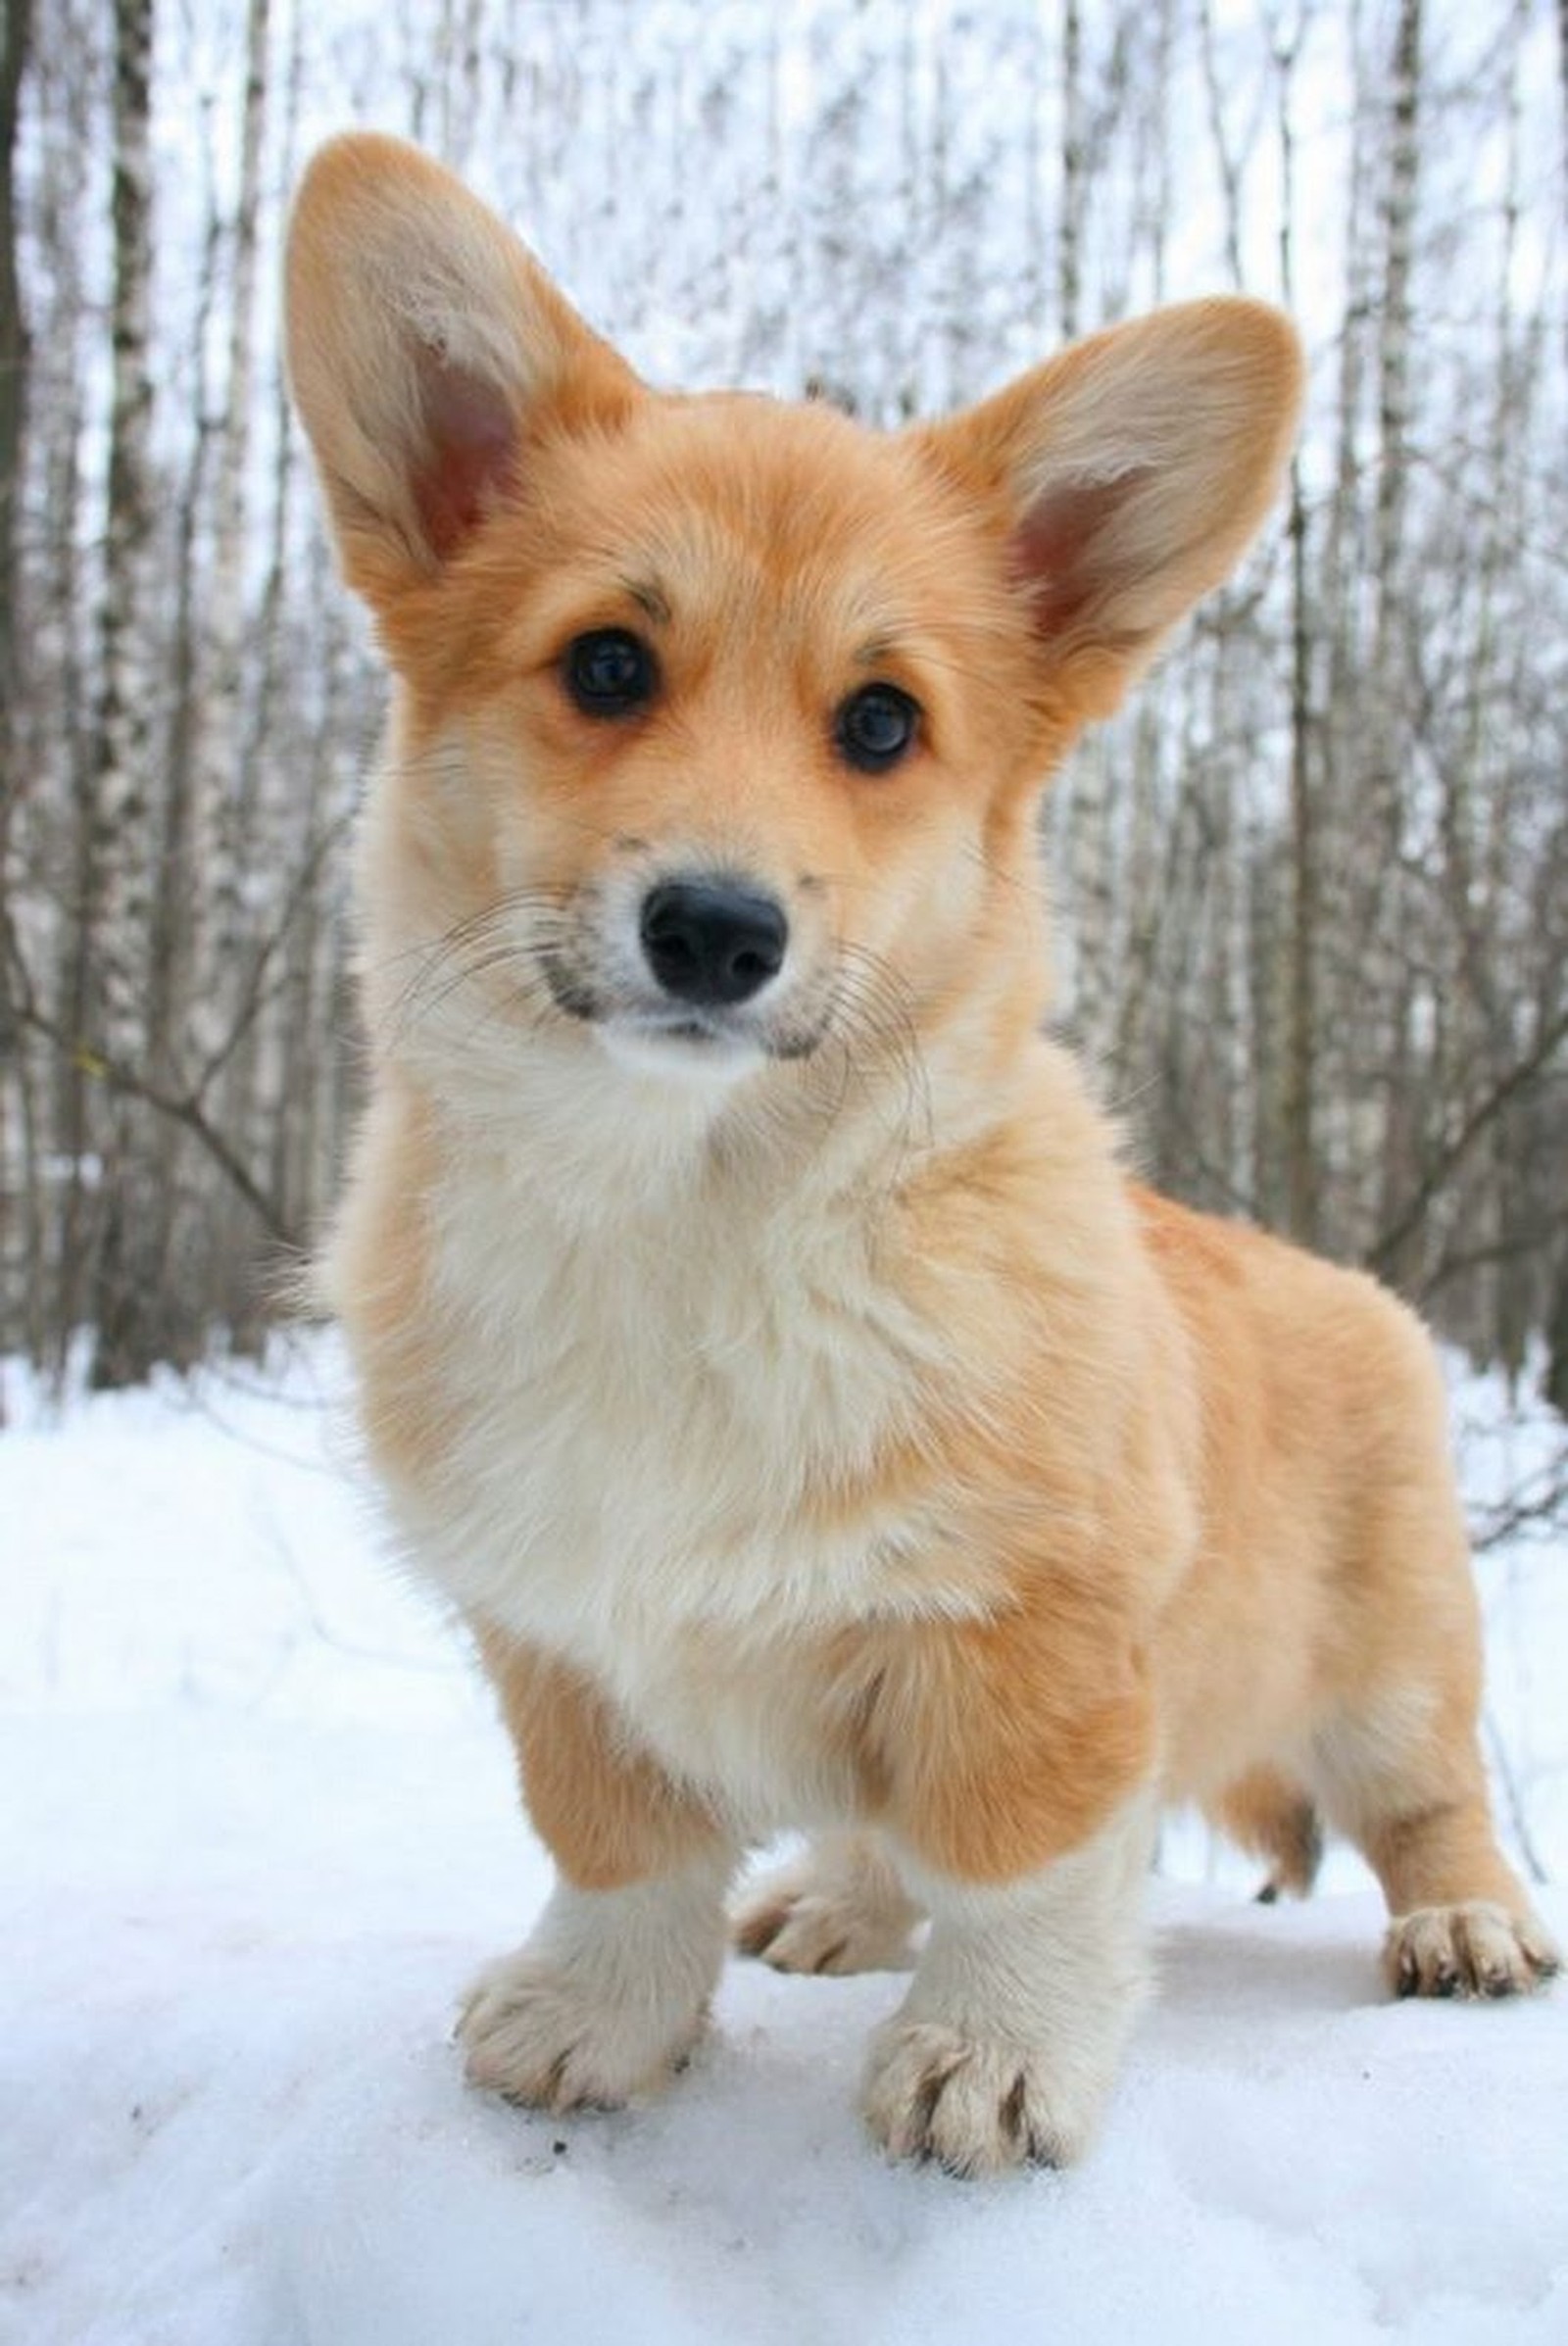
[756,1338]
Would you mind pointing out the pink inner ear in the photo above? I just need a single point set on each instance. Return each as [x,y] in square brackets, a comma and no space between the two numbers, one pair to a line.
[1054,550]
[470,454]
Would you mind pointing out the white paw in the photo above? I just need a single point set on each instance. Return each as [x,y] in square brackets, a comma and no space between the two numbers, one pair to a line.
[530,2031]
[835,1911]
[1474,1949]
[607,1998]
[976,2105]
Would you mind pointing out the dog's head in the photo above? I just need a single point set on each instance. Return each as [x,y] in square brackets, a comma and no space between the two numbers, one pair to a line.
[723,720]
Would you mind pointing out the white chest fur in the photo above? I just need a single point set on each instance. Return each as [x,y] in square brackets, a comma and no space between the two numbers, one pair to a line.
[663,1456]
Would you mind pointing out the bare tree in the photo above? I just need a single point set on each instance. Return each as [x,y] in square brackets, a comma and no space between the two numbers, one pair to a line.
[1383,776]
[15,1100]
[220,783]
[15,30]
[1299,1102]
[115,929]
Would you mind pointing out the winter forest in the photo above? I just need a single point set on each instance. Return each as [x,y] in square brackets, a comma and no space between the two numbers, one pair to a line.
[1312,890]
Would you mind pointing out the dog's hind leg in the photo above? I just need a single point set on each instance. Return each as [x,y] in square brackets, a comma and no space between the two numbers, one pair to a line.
[1440,1943]
[1272,1818]
[841,1907]
[1393,1757]
[1462,1923]
[1399,1770]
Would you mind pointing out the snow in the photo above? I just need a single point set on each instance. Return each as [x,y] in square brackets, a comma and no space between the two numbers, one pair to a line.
[264,1827]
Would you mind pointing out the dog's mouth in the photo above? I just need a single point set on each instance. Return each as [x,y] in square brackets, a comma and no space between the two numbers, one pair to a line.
[686,1030]
[633,1026]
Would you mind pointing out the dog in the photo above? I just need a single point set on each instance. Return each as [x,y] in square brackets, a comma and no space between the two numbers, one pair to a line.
[757,1339]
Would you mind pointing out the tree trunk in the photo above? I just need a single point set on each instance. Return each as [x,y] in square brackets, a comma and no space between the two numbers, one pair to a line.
[14,35]
[124,1302]
[1385,779]
[1069,229]
[17,1155]
[218,847]
[1562,84]
[1301,1051]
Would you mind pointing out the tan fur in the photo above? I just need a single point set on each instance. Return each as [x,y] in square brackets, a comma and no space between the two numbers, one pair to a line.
[1275,1819]
[610,1815]
[838,1439]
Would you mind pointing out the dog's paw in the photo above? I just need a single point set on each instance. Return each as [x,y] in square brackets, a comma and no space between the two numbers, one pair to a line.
[826,1916]
[1475,1950]
[530,2031]
[976,2105]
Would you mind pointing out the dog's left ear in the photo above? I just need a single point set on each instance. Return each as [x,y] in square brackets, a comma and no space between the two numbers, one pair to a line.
[1128,475]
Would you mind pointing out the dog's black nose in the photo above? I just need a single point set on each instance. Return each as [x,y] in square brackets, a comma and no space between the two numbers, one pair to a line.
[712,942]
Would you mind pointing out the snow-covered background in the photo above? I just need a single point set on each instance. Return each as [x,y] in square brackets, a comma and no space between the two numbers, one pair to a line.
[258,1827]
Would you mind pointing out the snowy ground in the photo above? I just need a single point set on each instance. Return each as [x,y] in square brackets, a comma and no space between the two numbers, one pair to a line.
[263,1827]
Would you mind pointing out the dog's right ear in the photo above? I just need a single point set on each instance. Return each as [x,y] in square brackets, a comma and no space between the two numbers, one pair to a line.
[424,343]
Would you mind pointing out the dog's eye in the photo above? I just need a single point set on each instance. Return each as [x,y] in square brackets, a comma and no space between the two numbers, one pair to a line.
[876,726]
[608,672]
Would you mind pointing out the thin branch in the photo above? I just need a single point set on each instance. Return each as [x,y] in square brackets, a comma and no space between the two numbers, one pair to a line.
[1502,1768]
[1476,1123]
[255,997]
[183,1109]
[1537,1503]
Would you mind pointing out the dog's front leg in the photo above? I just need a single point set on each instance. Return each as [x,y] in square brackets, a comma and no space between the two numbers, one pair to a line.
[609,1993]
[1013,1761]
[607,1997]
[1006,2047]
